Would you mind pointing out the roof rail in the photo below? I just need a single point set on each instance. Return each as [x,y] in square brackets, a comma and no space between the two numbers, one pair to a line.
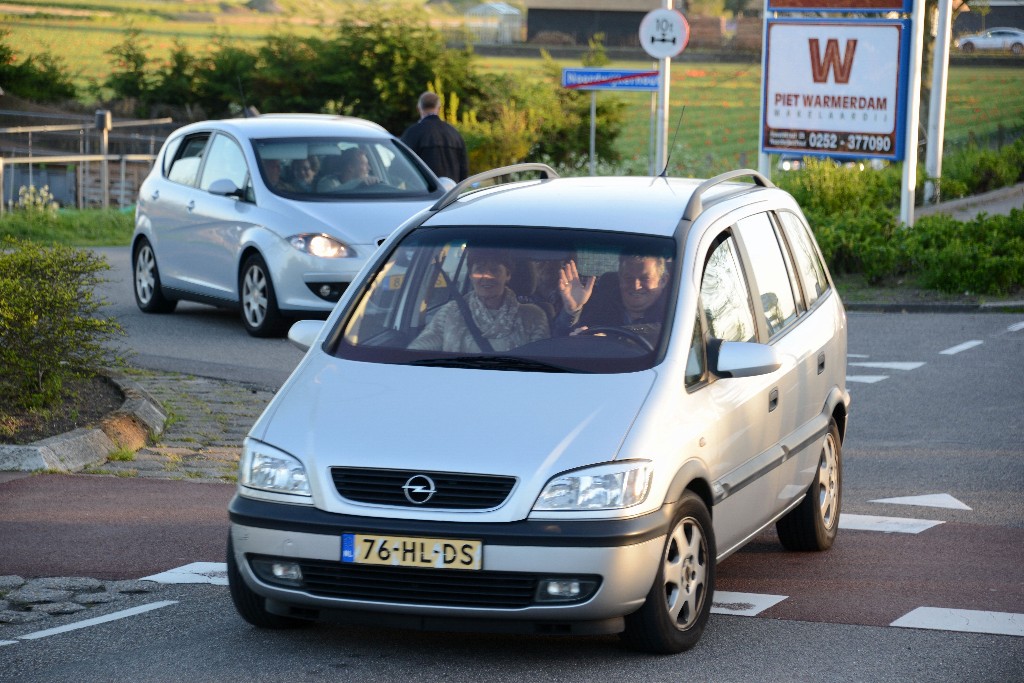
[453,194]
[695,206]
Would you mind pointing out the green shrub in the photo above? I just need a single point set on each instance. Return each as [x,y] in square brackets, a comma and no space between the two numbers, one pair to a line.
[982,256]
[50,330]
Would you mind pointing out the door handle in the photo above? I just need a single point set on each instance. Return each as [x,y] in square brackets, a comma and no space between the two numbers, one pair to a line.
[156,195]
[191,205]
[773,399]
[821,362]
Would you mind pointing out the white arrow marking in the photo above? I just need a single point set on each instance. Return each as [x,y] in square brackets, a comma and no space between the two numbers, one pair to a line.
[888,366]
[1016,327]
[961,347]
[866,379]
[934,500]
[743,604]
[889,525]
[965,620]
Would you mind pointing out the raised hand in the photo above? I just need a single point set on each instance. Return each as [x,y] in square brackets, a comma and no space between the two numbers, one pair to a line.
[575,291]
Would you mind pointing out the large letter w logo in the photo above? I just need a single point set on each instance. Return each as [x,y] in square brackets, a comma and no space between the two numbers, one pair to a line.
[822,64]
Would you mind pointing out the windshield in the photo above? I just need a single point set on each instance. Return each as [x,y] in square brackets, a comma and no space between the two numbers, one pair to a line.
[315,169]
[526,299]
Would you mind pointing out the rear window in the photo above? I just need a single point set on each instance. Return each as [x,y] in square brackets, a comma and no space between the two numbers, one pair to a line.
[528,299]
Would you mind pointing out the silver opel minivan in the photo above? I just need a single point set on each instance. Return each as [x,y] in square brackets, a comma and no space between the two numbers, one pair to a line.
[552,406]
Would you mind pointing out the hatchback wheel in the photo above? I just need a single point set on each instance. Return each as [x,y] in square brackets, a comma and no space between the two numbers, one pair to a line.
[258,301]
[1017,48]
[148,295]
[678,606]
[250,605]
[968,47]
[813,524]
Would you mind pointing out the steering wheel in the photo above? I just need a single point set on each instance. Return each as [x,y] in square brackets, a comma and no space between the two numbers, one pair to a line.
[621,333]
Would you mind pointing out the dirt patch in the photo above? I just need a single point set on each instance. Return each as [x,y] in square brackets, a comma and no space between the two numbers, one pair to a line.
[87,404]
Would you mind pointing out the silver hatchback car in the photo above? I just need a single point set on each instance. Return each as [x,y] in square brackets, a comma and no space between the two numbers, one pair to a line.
[552,406]
[273,215]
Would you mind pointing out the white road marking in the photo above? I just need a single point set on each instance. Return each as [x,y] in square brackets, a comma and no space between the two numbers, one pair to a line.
[114,616]
[889,525]
[743,604]
[934,500]
[888,366]
[964,620]
[215,573]
[1016,327]
[8,642]
[862,355]
[961,347]
[866,379]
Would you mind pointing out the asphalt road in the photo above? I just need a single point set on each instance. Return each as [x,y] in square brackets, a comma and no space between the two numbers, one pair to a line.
[935,414]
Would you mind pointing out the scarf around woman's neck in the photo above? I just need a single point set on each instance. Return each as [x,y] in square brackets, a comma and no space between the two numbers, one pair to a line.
[496,323]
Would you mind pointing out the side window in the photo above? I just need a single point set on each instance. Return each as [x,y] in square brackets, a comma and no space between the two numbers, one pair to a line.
[724,295]
[772,279]
[185,167]
[224,160]
[812,272]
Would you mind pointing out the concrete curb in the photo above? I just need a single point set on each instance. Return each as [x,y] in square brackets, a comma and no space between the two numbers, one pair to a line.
[139,418]
[978,201]
[985,307]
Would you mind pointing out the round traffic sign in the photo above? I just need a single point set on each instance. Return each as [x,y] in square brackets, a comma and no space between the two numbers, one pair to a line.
[664,33]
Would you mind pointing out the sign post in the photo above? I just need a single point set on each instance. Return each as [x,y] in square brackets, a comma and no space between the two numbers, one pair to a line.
[663,35]
[594,79]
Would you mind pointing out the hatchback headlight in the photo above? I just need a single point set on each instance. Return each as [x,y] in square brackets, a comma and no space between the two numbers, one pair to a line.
[606,487]
[266,468]
[320,245]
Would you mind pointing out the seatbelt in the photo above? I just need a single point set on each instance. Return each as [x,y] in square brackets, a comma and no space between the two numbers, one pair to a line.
[467,315]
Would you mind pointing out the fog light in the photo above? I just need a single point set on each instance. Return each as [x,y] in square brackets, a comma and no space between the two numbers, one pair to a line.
[565,589]
[286,571]
[325,291]
[280,572]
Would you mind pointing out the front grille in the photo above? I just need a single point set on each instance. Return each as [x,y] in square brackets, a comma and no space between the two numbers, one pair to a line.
[454,491]
[448,587]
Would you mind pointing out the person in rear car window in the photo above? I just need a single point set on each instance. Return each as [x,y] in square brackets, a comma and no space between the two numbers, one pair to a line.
[500,320]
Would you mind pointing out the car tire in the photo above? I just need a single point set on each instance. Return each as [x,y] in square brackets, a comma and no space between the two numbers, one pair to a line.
[1017,48]
[678,605]
[149,296]
[967,47]
[257,299]
[812,525]
[250,605]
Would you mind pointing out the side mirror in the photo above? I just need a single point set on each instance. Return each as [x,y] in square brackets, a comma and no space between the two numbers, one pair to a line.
[742,359]
[305,332]
[226,188]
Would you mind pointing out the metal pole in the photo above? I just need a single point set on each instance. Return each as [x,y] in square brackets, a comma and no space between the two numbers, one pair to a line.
[650,137]
[937,105]
[1,186]
[764,161]
[913,117]
[593,132]
[664,80]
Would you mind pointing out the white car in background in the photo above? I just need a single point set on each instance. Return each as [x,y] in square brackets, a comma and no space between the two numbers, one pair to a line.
[994,39]
[550,474]
[252,214]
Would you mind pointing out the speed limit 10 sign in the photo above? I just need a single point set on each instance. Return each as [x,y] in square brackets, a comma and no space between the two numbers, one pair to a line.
[664,33]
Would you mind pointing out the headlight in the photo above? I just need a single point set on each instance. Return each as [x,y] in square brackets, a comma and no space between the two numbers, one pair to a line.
[267,468]
[606,487]
[320,245]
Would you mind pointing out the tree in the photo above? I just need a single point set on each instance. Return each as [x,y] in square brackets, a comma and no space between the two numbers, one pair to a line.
[40,78]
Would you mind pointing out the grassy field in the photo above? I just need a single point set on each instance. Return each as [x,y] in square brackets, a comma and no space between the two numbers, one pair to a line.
[719,127]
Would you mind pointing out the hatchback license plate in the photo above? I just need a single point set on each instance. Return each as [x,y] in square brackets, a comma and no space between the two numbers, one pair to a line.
[411,551]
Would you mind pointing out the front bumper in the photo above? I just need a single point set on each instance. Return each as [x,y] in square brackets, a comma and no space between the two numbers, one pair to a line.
[622,555]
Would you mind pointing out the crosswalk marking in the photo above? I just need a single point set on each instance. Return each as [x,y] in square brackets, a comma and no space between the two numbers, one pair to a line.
[963,620]
[98,620]
[215,573]
[889,525]
[743,604]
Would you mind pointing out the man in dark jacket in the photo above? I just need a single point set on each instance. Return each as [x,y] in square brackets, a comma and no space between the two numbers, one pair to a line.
[438,143]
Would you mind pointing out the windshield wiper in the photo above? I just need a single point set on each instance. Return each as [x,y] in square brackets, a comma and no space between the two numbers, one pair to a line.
[491,363]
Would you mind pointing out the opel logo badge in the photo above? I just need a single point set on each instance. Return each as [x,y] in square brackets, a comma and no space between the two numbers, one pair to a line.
[419,489]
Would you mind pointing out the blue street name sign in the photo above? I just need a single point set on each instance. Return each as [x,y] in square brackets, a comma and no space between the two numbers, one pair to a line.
[610,79]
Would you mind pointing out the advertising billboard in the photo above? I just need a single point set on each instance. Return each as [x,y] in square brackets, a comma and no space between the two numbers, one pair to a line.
[836,88]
